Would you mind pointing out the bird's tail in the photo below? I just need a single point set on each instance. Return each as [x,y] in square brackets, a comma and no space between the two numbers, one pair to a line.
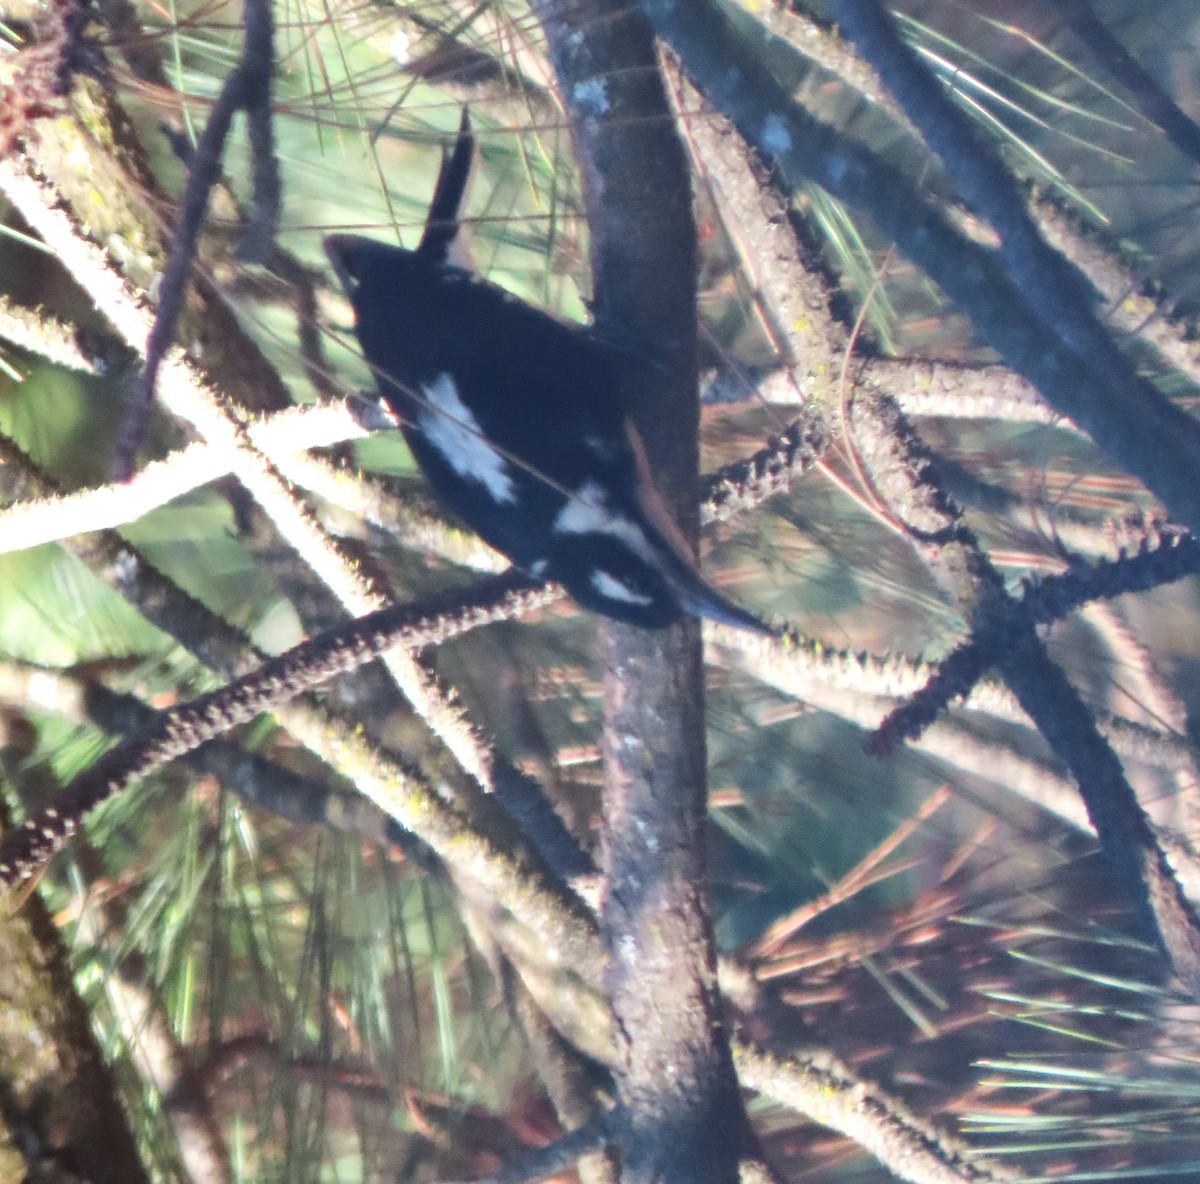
[676,561]
[699,598]
[440,239]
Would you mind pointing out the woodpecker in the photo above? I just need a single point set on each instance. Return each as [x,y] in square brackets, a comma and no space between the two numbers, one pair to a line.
[516,421]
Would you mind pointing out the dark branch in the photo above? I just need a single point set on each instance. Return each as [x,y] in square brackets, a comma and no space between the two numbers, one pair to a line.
[1134,423]
[685,1126]
[1047,600]
[1153,102]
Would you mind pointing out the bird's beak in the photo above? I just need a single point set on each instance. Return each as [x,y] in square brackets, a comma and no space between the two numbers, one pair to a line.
[342,250]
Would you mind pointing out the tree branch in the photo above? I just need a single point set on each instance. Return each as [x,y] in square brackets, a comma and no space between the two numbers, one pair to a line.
[686,1126]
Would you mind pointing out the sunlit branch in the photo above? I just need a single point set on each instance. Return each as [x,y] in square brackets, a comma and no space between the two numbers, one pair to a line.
[186,395]
[823,1089]
[399,792]
[43,335]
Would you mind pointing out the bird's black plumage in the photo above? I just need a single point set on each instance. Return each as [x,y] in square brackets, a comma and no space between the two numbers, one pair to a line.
[516,420]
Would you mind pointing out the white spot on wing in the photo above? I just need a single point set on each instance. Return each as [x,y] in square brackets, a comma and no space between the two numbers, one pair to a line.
[592,96]
[401,47]
[775,136]
[450,427]
[587,513]
[603,448]
[612,588]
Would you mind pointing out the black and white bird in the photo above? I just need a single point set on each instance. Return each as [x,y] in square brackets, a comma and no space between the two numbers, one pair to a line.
[516,421]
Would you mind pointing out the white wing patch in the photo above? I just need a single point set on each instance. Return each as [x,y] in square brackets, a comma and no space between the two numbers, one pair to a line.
[587,513]
[612,588]
[449,426]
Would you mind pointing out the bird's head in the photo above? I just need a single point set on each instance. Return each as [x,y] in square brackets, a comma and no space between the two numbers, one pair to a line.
[365,267]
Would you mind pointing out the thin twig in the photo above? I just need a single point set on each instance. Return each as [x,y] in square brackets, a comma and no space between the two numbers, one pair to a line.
[285,437]
[745,484]
[178,730]
[1132,304]
[33,522]
[860,686]
[254,776]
